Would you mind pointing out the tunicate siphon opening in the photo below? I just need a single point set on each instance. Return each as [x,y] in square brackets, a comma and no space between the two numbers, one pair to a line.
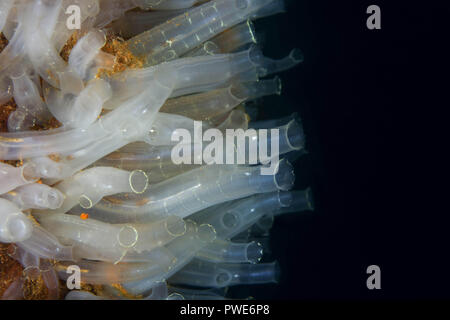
[206,233]
[127,236]
[175,296]
[230,220]
[210,48]
[266,222]
[176,226]
[285,199]
[297,55]
[28,173]
[85,202]
[295,136]
[19,227]
[284,177]
[222,278]
[54,199]
[254,252]
[138,181]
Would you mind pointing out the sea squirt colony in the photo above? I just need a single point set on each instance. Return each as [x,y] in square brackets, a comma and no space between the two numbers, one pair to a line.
[87,177]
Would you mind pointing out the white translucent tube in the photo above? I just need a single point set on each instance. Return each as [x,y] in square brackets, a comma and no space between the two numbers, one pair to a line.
[129,123]
[136,22]
[230,252]
[178,293]
[78,111]
[35,196]
[185,32]
[216,275]
[13,177]
[228,41]
[43,244]
[192,75]
[271,66]
[31,109]
[197,190]
[97,240]
[203,106]
[158,164]
[232,218]
[83,54]
[5,8]
[183,249]
[39,25]
[160,262]
[267,124]
[112,9]
[14,225]
[166,4]
[88,187]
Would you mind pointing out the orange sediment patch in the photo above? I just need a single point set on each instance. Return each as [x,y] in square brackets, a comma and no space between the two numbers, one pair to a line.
[117,47]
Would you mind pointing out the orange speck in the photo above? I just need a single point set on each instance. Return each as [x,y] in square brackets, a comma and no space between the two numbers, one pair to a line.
[84,216]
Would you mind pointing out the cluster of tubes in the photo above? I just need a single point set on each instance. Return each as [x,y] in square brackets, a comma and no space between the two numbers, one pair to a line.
[101,192]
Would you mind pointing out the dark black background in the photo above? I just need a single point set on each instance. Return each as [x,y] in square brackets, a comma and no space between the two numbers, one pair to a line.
[365,98]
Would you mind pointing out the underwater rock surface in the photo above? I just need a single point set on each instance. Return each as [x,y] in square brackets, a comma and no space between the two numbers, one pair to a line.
[130,166]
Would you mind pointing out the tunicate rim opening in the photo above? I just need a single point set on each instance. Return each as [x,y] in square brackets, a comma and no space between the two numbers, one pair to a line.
[27,172]
[54,198]
[211,48]
[255,55]
[310,199]
[175,226]
[285,199]
[138,187]
[254,252]
[85,202]
[206,233]
[297,55]
[175,296]
[285,177]
[222,278]
[252,31]
[266,222]
[294,135]
[129,234]
[227,217]
[19,227]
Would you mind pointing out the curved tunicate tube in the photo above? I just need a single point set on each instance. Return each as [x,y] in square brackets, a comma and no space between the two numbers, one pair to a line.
[97,240]
[88,187]
[12,177]
[215,275]
[164,43]
[35,196]
[197,190]
[228,41]
[43,244]
[230,252]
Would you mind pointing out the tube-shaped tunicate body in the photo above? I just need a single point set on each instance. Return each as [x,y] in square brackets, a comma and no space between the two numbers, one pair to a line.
[14,225]
[45,245]
[97,240]
[231,252]
[88,187]
[35,196]
[197,190]
[12,177]
[185,32]
[215,275]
